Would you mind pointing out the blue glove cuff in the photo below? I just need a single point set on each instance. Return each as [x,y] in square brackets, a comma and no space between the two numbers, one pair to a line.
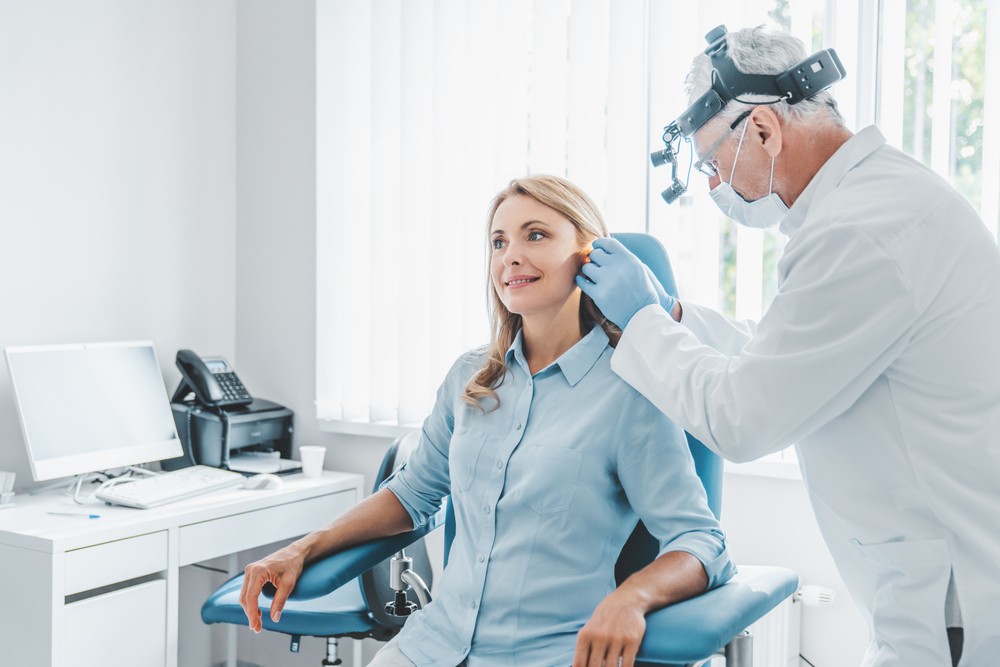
[668,302]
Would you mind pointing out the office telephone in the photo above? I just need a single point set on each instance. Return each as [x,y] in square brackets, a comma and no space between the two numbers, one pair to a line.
[221,425]
[212,380]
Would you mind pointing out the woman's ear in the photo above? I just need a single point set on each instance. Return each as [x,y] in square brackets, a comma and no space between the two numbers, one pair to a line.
[766,129]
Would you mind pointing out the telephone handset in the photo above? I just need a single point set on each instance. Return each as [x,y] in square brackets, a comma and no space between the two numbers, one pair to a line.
[212,380]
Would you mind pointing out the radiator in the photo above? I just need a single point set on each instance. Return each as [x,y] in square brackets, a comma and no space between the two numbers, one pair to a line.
[776,636]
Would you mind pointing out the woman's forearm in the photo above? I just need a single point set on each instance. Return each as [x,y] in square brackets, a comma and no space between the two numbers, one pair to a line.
[379,515]
[673,577]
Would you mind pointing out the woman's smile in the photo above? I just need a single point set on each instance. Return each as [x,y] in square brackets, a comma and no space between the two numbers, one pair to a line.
[515,282]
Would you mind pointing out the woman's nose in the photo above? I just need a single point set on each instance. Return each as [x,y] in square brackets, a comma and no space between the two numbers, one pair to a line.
[513,255]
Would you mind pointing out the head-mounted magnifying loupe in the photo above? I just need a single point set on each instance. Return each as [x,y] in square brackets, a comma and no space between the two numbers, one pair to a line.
[809,77]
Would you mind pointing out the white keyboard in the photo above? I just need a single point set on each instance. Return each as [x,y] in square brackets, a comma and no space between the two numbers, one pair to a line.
[170,486]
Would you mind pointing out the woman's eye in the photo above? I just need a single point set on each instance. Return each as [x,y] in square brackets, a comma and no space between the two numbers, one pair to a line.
[497,244]
[535,236]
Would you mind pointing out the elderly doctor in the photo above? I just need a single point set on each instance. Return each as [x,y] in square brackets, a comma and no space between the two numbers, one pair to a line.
[879,358]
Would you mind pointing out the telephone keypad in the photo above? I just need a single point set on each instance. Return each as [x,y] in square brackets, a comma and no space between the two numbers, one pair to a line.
[232,387]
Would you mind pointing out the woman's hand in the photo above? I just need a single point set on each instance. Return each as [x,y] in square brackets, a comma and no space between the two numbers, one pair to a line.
[613,633]
[379,515]
[618,625]
[282,568]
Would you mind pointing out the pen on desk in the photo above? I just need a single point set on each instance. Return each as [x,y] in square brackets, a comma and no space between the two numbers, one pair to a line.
[85,516]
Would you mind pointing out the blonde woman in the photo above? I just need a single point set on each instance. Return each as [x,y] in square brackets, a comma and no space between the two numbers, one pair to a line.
[550,460]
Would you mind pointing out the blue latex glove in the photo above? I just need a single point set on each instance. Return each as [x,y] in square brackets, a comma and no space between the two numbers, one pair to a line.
[618,282]
[666,301]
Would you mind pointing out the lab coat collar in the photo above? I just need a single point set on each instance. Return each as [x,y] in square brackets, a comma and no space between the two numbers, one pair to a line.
[848,156]
[574,363]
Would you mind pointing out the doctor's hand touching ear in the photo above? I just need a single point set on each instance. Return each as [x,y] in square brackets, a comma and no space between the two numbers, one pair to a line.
[620,284]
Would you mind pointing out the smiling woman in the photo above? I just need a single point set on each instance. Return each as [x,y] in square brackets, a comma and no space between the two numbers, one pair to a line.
[539,231]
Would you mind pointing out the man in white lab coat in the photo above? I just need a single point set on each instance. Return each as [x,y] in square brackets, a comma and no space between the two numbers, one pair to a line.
[879,358]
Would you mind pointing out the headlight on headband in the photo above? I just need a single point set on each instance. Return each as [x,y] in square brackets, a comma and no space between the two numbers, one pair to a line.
[806,79]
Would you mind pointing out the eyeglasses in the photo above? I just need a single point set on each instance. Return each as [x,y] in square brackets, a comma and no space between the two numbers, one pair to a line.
[706,164]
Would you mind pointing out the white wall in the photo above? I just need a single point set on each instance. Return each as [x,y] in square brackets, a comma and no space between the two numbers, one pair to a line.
[276,251]
[117,180]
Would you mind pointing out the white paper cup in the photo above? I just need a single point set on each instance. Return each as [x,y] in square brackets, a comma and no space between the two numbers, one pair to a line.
[312,460]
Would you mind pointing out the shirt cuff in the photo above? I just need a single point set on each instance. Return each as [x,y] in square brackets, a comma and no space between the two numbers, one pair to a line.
[413,502]
[705,547]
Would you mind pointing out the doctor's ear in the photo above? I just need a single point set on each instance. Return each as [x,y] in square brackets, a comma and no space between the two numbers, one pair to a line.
[766,129]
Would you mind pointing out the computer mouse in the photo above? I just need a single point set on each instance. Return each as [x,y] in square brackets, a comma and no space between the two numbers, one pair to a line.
[263,481]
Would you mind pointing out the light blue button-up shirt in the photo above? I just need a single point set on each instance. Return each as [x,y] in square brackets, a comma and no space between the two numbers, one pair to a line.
[546,488]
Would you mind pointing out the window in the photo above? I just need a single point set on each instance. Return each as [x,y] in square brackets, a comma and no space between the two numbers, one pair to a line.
[426,109]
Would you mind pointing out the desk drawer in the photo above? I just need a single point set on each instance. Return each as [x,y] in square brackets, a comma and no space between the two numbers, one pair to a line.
[219,537]
[111,562]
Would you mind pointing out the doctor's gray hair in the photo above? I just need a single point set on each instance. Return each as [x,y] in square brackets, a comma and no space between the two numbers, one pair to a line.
[761,51]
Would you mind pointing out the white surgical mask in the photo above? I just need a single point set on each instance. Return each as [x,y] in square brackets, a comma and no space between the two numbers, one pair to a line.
[760,213]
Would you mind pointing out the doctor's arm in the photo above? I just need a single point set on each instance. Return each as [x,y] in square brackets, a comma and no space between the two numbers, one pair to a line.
[838,322]
[658,476]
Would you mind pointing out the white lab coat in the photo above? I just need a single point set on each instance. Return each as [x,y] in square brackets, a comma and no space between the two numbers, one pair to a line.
[880,358]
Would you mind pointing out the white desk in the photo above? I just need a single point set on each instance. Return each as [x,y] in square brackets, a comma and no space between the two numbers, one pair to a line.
[50,612]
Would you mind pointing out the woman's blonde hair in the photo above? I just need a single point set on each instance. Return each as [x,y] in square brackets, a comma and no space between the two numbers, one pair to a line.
[572,202]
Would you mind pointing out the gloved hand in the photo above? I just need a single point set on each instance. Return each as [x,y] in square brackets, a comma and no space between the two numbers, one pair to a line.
[666,301]
[618,282]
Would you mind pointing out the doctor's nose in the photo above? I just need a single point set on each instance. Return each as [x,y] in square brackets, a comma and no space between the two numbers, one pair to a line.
[713,181]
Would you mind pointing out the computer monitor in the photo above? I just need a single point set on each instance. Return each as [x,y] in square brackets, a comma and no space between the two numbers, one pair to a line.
[91,407]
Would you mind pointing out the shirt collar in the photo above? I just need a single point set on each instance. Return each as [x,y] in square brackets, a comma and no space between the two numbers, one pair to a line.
[575,362]
[847,157]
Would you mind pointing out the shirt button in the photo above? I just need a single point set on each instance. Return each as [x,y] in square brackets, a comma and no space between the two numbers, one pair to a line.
[473,604]
[486,509]
[499,464]
[518,427]
[482,558]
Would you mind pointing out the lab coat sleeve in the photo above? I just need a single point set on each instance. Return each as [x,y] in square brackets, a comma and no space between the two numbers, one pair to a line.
[838,321]
[658,476]
[424,480]
[714,329]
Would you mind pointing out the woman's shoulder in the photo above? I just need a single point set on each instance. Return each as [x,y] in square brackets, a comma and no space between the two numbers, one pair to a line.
[467,364]
[626,398]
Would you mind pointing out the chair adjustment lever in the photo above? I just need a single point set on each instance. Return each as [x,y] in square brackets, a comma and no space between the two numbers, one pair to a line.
[400,606]
[401,578]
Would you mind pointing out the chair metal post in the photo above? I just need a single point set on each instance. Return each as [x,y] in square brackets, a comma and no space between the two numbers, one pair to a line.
[332,658]
[739,652]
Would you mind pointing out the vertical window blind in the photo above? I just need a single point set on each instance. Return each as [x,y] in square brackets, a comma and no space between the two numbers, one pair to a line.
[425,111]
[427,108]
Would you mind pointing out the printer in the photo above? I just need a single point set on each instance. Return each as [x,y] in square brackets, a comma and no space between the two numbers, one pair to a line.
[259,437]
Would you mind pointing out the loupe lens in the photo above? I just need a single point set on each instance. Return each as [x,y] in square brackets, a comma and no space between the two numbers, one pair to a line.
[659,158]
[673,193]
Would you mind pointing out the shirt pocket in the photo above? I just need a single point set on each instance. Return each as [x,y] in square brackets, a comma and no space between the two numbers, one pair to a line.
[551,481]
[463,456]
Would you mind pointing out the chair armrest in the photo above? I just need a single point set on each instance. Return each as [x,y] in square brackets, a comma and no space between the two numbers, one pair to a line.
[694,629]
[327,575]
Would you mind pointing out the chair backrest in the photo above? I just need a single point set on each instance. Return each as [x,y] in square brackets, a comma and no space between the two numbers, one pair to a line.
[375,582]
[641,547]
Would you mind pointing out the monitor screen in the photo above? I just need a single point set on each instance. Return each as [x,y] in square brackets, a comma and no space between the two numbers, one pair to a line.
[91,407]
